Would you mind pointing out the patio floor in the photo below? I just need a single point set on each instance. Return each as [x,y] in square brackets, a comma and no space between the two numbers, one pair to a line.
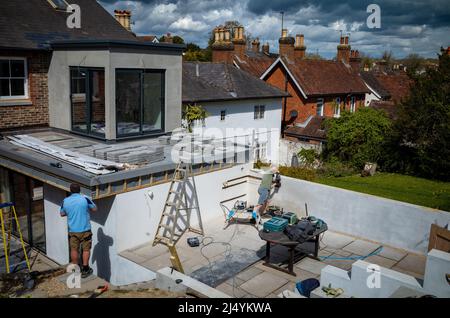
[249,277]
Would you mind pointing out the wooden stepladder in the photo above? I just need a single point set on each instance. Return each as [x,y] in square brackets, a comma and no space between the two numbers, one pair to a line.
[6,237]
[180,204]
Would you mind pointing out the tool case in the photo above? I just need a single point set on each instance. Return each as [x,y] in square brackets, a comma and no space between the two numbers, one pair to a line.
[275,224]
[290,217]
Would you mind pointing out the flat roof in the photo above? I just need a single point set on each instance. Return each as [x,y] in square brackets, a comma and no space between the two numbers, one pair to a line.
[61,173]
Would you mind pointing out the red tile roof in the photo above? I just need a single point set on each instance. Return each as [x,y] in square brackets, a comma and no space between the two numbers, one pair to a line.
[397,84]
[254,63]
[389,107]
[322,77]
[312,129]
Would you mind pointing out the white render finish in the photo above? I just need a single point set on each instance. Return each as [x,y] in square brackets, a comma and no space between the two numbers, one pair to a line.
[394,223]
[371,96]
[240,123]
[59,83]
[129,220]
[364,282]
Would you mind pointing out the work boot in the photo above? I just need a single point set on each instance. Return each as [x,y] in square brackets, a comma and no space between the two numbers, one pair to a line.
[86,272]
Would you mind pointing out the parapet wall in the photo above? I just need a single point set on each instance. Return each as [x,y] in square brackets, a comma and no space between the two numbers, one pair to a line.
[393,223]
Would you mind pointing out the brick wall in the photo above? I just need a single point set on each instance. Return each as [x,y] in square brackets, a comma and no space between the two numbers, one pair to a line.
[305,107]
[36,114]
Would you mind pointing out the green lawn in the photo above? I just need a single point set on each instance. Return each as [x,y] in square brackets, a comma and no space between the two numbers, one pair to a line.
[428,193]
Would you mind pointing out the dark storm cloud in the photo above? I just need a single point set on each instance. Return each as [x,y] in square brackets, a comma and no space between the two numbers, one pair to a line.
[394,13]
[407,26]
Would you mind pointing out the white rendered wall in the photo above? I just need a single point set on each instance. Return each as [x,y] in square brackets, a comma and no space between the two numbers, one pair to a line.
[129,220]
[289,148]
[138,217]
[370,97]
[59,83]
[240,121]
[393,223]
[56,237]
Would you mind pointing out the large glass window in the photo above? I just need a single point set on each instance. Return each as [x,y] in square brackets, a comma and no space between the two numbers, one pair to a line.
[88,100]
[139,102]
[13,78]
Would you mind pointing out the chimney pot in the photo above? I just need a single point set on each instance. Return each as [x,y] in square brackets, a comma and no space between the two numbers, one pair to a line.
[124,18]
[266,48]
[255,45]
[284,33]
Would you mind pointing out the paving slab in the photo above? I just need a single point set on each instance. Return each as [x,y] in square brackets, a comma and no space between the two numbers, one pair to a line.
[413,274]
[413,263]
[235,281]
[288,286]
[345,264]
[381,261]
[335,240]
[393,253]
[311,265]
[300,273]
[249,273]
[338,252]
[360,247]
[229,290]
[263,284]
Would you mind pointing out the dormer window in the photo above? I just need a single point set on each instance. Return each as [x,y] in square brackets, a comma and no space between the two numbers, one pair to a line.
[59,4]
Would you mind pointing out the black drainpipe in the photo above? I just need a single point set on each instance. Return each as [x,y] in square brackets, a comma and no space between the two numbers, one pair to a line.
[283,126]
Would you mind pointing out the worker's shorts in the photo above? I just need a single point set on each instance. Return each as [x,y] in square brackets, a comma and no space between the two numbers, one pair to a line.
[83,239]
[263,195]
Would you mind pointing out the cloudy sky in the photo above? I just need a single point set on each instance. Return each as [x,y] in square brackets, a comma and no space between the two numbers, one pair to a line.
[407,26]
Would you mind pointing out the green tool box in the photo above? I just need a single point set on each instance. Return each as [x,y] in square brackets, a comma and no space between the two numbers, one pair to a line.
[275,224]
[290,217]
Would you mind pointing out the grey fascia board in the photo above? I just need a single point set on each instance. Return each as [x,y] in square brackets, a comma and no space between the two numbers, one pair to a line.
[30,160]
[106,44]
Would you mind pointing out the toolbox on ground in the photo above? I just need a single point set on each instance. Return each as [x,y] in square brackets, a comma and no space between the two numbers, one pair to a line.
[275,224]
[290,217]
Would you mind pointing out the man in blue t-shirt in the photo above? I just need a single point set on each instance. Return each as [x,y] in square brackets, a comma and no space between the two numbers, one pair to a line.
[77,207]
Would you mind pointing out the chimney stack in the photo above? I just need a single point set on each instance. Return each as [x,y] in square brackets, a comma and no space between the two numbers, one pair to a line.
[343,50]
[286,45]
[255,45]
[124,18]
[239,41]
[355,60]
[168,38]
[266,48]
[222,47]
[300,48]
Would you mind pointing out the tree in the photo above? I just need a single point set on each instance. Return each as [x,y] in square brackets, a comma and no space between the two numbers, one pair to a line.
[175,39]
[193,113]
[420,143]
[413,63]
[178,40]
[356,138]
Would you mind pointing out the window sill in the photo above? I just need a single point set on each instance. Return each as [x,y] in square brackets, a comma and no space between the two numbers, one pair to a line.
[15,102]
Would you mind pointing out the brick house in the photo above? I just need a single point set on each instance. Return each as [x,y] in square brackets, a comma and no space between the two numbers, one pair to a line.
[25,53]
[317,88]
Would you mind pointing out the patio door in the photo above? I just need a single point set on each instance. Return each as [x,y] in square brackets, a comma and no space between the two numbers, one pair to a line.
[27,195]
[88,101]
[139,102]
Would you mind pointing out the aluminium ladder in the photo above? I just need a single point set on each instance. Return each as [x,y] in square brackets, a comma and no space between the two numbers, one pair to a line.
[7,241]
[178,208]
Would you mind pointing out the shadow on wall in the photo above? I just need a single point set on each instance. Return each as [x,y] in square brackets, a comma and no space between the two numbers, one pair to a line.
[100,255]
[101,252]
